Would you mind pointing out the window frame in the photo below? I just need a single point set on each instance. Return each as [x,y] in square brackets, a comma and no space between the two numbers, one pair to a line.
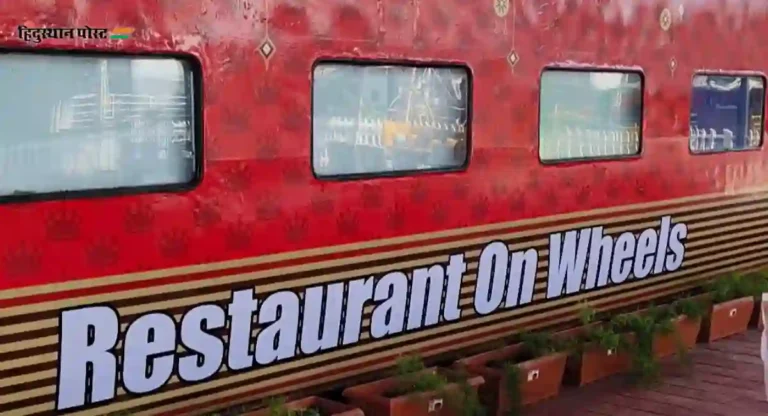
[591,68]
[196,95]
[743,74]
[367,62]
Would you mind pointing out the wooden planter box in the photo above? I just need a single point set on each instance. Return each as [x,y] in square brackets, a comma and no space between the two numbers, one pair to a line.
[596,363]
[728,318]
[593,363]
[687,332]
[374,400]
[325,406]
[540,378]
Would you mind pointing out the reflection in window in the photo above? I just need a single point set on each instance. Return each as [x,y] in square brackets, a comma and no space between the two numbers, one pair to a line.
[587,115]
[74,123]
[726,113]
[378,119]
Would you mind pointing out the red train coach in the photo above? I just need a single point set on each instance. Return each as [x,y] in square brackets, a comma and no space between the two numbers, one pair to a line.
[205,203]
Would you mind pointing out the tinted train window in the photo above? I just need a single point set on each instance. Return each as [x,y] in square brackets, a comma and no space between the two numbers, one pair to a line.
[726,113]
[590,115]
[371,120]
[75,123]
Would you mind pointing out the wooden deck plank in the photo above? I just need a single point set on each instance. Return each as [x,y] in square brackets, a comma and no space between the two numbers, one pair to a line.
[639,404]
[725,378]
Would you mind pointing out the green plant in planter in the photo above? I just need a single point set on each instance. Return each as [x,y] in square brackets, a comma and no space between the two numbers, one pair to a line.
[604,335]
[731,286]
[513,389]
[658,320]
[534,345]
[761,286]
[757,283]
[467,402]
[412,378]
[587,314]
[691,308]
[539,344]
[277,408]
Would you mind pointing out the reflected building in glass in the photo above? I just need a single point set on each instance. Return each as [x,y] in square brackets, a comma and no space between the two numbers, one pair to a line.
[374,119]
[587,114]
[80,122]
[726,113]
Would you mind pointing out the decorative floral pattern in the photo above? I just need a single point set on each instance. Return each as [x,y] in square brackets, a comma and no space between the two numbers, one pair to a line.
[207,214]
[104,252]
[22,261]
[63,225]
[238,236]
[174,243]
[257,131]
[296,229]
[139,218]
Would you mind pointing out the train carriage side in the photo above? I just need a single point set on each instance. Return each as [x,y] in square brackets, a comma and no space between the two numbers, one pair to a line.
[211,203]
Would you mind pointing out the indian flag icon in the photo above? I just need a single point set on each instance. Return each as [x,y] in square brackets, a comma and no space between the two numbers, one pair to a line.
[121,33]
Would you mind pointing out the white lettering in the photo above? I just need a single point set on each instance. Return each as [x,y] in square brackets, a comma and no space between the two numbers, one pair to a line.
[86,356]
[491,277]
[661,250]
[321,304]
[278,340]
[150,346]
[522,277]
[421,304]
[360,291]
[566,262]
[629,256]
[600,253]
[646,248]
[623,254]
[207,350]
[241,311]
[332,314]
[678,234]
[388,317]
[456,269]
